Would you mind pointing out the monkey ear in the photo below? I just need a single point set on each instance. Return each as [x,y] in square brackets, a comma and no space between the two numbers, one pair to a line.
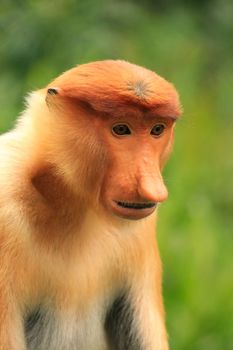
[53,91]
[57,99]
[51,98]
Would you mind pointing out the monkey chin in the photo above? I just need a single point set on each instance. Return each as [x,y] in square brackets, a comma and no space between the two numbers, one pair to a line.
[132,211]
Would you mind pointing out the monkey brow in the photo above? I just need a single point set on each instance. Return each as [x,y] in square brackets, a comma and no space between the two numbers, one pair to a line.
[163,111]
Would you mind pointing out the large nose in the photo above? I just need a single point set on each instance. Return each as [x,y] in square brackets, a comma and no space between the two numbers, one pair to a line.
[151,188]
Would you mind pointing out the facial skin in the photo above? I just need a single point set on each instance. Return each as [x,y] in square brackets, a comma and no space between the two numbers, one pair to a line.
[137,146]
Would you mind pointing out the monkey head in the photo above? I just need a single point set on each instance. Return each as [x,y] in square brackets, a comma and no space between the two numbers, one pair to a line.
[116,122]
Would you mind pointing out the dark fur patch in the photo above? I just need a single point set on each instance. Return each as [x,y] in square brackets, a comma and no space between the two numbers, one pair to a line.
[33,319]
[36,326]
[120,327]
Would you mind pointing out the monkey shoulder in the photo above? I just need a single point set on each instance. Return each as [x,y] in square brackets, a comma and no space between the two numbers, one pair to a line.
[11,180]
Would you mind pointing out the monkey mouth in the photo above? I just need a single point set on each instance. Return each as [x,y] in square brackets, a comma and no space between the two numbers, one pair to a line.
[133,210]
[137,206]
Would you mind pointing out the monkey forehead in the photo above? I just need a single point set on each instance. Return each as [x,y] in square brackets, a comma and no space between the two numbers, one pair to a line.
[111,84]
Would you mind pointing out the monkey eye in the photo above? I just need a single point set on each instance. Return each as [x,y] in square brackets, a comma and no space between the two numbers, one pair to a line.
[158,129]
[121,129]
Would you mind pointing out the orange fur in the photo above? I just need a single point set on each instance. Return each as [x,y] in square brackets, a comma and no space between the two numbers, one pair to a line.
[64,241]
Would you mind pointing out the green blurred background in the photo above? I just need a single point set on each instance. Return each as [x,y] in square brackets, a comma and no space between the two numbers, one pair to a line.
[191,44]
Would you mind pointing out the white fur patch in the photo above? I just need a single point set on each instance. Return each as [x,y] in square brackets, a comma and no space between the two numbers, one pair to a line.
[68,331]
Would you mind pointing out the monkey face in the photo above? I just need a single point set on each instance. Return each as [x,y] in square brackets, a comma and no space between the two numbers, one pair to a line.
[137,148]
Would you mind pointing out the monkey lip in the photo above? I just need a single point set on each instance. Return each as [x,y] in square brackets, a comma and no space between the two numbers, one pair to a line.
[133,210]
[137,206]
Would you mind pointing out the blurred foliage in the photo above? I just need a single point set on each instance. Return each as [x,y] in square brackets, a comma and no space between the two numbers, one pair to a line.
[190,43]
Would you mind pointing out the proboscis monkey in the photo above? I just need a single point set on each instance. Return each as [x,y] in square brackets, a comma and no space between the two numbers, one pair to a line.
[80,182]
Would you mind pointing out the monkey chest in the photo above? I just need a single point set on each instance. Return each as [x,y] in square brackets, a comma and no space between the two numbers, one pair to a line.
[47,329]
